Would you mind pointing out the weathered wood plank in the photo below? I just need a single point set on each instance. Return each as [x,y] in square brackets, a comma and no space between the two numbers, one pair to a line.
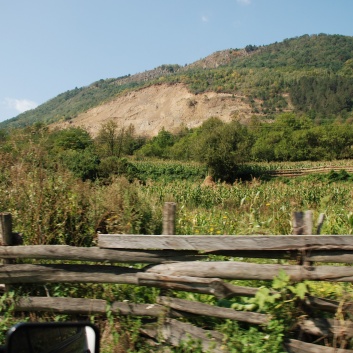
[328,305]
[215,311]
[213,286]
[95,254]
[302,223]
[6,239]
[87,306]
[28,273]
[295,346]
[169,215]
[6,229]
[173,332]
[338,256]
[251,271]
[63,273]
[327,327]
[226,242]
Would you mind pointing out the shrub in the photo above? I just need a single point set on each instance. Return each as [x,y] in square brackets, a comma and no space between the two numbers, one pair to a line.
[82,163]
[113,165]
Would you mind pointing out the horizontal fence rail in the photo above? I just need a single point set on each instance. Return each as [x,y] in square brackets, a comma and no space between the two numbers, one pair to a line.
[308,171]
[186,263]
[226,242]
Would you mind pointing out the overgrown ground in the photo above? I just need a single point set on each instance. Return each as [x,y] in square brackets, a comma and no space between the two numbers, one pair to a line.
[53,207]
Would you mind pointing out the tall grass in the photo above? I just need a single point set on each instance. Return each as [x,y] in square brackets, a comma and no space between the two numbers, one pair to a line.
[254,207]
[51,206]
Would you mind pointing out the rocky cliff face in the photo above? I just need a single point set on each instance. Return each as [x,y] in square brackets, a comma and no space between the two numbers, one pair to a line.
[169,106]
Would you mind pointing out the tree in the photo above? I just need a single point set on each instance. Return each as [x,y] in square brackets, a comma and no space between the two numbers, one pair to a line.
[110,139]
[82,163]
[159,145]
[222,147]
[131,143]
[73,138]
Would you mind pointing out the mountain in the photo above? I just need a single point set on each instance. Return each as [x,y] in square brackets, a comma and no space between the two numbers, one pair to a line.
[311,74]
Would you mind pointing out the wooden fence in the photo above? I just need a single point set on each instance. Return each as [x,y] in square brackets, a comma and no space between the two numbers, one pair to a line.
[177,263]
[308,171]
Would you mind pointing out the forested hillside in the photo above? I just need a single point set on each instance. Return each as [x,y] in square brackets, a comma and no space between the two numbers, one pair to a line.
[311,74]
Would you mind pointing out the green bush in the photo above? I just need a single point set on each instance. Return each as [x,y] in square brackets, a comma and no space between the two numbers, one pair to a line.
[83,164]
[113,165]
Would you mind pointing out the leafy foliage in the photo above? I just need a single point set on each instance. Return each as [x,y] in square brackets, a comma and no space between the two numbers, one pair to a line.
[70,139]
[221,147]
[323,96]
[158,145]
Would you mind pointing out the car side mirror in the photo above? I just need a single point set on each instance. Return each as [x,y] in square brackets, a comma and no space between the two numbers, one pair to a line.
[54,337]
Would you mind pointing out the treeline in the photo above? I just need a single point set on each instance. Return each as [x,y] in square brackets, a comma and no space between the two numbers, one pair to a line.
[220,146]
[223,146]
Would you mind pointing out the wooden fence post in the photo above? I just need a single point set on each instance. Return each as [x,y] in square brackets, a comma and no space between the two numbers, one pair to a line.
[6,238]
[169,211]
[303,223]
[6,228]
[320,222]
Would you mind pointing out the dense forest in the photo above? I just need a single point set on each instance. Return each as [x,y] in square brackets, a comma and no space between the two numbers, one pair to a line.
[311,74]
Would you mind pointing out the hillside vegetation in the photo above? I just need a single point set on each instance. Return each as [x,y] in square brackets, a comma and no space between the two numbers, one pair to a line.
[311,74]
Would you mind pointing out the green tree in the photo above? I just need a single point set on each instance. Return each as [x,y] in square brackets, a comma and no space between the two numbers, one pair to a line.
[109,140]
[222,147]
[130,142]
[183,148]
[82,163]
[158,146]
[73,138]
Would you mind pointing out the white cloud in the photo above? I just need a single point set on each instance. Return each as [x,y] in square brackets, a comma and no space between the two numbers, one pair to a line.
[204,18]
[20,105]
[244,2]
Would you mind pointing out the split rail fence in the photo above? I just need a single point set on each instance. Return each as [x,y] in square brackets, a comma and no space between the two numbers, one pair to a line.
[177,263]
[309,171]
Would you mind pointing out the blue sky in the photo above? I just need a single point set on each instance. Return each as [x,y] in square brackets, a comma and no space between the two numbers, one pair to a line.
[50,46]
